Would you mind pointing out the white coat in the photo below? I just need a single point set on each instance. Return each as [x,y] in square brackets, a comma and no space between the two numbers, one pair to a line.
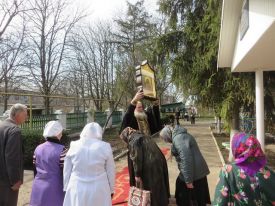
[89,173]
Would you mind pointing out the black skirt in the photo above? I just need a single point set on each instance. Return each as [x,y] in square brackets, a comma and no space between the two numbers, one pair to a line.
[199,195]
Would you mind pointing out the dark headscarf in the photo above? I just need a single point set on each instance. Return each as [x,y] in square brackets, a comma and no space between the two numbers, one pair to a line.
[247,152]
[126,134]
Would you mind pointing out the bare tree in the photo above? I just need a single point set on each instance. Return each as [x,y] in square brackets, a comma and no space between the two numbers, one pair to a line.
[9,9]
[75,84]
[95,58]
[51,24]
[11,53]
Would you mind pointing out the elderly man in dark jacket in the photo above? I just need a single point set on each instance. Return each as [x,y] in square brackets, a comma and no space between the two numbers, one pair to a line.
[191,184]
[11,158]
[150,167]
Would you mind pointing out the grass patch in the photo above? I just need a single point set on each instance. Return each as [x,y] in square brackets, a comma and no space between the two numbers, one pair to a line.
[270,158]
[220,138]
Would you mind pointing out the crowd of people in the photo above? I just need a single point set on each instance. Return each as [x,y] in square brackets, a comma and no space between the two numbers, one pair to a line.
[189,114]
[84,173]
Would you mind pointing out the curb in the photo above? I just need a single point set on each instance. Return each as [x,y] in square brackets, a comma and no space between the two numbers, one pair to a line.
[219,151]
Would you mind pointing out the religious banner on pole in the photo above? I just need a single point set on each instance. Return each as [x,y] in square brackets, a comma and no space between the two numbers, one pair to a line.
[145,80]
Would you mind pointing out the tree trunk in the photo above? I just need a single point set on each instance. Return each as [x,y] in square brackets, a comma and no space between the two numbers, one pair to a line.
[234,126]
[6,97]
[77,108]
[47,105]
[219,124]
[111,106]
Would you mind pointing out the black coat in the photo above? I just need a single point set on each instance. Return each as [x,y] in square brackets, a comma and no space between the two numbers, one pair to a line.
[129,120]
[150,165]
[153,117]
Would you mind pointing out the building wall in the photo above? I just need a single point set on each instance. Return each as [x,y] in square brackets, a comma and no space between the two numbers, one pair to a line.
[166,99]
[261,15]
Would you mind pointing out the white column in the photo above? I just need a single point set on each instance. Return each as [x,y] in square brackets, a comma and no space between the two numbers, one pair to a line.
[260,107]
[90,117]
[62,118]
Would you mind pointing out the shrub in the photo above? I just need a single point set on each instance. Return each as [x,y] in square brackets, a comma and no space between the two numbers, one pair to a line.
[31,139]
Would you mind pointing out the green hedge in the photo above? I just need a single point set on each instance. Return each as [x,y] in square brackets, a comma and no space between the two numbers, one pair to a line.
[31,139]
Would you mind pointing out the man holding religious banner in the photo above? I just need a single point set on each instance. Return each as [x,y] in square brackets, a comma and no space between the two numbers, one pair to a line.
[147,122]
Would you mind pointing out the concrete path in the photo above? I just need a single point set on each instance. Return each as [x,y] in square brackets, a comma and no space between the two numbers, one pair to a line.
[204,139]
[25,190]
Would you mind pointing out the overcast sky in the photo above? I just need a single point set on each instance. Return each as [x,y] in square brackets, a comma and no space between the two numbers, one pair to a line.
[108,9]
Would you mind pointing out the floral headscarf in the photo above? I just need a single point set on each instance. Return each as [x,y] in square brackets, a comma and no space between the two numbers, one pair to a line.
[127,134]
[247,152]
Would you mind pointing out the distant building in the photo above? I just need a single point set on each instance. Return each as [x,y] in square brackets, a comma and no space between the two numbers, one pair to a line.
[167,99]
[66,105]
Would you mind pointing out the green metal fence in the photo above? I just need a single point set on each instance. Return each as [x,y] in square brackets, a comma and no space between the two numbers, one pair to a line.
[100,118]
[116,117]
[38,122]
[75,121]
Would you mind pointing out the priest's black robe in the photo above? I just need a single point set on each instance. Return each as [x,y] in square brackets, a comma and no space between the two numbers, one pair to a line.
[150,165]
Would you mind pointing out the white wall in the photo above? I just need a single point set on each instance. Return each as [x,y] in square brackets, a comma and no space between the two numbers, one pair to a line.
[261,16]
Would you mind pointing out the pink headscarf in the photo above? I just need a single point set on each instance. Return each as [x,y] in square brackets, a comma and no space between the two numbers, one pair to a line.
[247,152]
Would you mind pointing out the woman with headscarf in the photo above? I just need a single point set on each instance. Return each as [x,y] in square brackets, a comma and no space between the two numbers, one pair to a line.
[150,167]
[246,181]
[47,188]
[191,183]
[89,170]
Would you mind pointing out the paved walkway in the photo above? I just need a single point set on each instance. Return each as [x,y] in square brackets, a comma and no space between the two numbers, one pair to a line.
[204,139]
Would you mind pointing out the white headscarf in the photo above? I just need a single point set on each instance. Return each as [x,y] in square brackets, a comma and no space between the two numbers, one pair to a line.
[52,129]
[92,130]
